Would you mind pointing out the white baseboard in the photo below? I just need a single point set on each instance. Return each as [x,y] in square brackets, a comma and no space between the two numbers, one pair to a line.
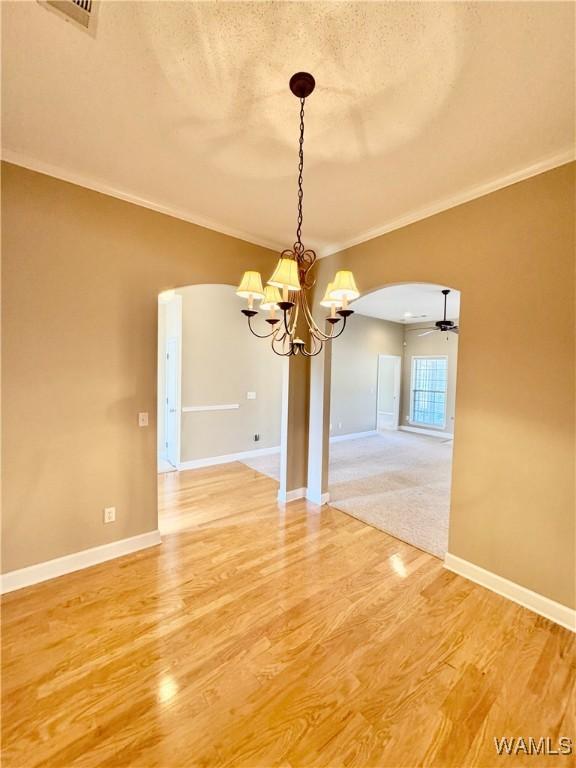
[324,498]
[302,493]
[227,458]
[543,606]
[286,496]
[34,574]
[353,436]
[430,432]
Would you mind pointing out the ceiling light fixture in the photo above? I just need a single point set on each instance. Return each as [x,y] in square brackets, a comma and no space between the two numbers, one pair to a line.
[293,278]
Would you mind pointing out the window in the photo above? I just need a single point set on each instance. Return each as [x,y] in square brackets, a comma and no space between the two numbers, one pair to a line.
[428,396]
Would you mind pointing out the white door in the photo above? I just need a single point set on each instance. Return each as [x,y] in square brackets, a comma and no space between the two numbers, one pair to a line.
[172,417]
[388,408]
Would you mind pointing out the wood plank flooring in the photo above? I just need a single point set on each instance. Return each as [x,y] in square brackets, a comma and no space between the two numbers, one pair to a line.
[266,635]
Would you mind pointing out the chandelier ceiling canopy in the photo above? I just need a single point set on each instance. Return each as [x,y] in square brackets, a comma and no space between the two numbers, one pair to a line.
[288,289]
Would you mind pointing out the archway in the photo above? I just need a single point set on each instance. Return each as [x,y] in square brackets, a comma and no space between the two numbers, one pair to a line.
[392,413]
[219,390]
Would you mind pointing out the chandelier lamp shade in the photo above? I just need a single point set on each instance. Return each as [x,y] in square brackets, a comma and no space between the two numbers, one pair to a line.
[271,298]
[251,287]
[328,301]
[344,287]
[285,275]
[288,289]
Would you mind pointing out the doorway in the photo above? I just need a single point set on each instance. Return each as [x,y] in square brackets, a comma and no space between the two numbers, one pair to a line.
[388,399]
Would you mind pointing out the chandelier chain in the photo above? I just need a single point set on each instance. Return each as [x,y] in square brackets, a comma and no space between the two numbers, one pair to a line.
[300,174]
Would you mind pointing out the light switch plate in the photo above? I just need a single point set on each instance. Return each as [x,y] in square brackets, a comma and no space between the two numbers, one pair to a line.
[142,419]
[250,395]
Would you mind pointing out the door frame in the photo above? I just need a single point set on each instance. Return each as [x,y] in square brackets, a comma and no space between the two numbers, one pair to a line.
[397,389]
[175,459]
[173,306]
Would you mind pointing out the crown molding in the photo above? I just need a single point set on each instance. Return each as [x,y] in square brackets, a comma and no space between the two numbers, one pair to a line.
[472,193]
[446,203]
[80,180]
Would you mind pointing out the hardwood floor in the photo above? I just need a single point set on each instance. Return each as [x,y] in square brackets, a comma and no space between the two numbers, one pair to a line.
[263,635]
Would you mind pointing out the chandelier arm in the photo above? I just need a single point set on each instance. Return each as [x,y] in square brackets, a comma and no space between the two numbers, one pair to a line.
[285,313]
[294,314]
[290,318]
[340,332]
[321,336]
[315,330]
[282,354]
[314,350]
[317,334]
[313,354]
[282,336]
[260,335]
[310,317]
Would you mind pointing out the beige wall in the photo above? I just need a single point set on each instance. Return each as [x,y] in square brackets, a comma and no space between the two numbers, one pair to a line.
[81,275]
[355,372]
[221,363]
[434,344]
[511,254]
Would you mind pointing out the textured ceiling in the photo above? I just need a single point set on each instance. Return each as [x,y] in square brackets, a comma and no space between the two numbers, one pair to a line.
[411,303]
[185,106]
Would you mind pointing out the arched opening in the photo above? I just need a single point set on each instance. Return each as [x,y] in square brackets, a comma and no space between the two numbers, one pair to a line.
[392,412]
[219,394]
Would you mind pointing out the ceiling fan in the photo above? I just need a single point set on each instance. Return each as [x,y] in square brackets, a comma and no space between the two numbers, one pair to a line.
[443,325]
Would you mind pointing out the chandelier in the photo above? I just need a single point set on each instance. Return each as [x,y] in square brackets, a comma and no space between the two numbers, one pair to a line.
[287,290]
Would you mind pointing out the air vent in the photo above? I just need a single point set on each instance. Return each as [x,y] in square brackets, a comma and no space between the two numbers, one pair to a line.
[80,11]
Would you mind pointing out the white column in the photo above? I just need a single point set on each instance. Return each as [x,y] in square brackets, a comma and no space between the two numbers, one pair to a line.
[319,427]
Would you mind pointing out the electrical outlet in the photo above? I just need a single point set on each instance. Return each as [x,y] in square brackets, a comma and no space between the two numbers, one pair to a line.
[143,419]
[339,425]
[256,437]
[109,514]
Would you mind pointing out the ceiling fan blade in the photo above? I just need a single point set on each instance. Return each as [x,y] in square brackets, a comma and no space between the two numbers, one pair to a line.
[454,330]
[427,333]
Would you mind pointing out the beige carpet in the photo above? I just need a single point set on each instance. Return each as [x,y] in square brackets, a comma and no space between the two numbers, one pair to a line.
[396,481]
